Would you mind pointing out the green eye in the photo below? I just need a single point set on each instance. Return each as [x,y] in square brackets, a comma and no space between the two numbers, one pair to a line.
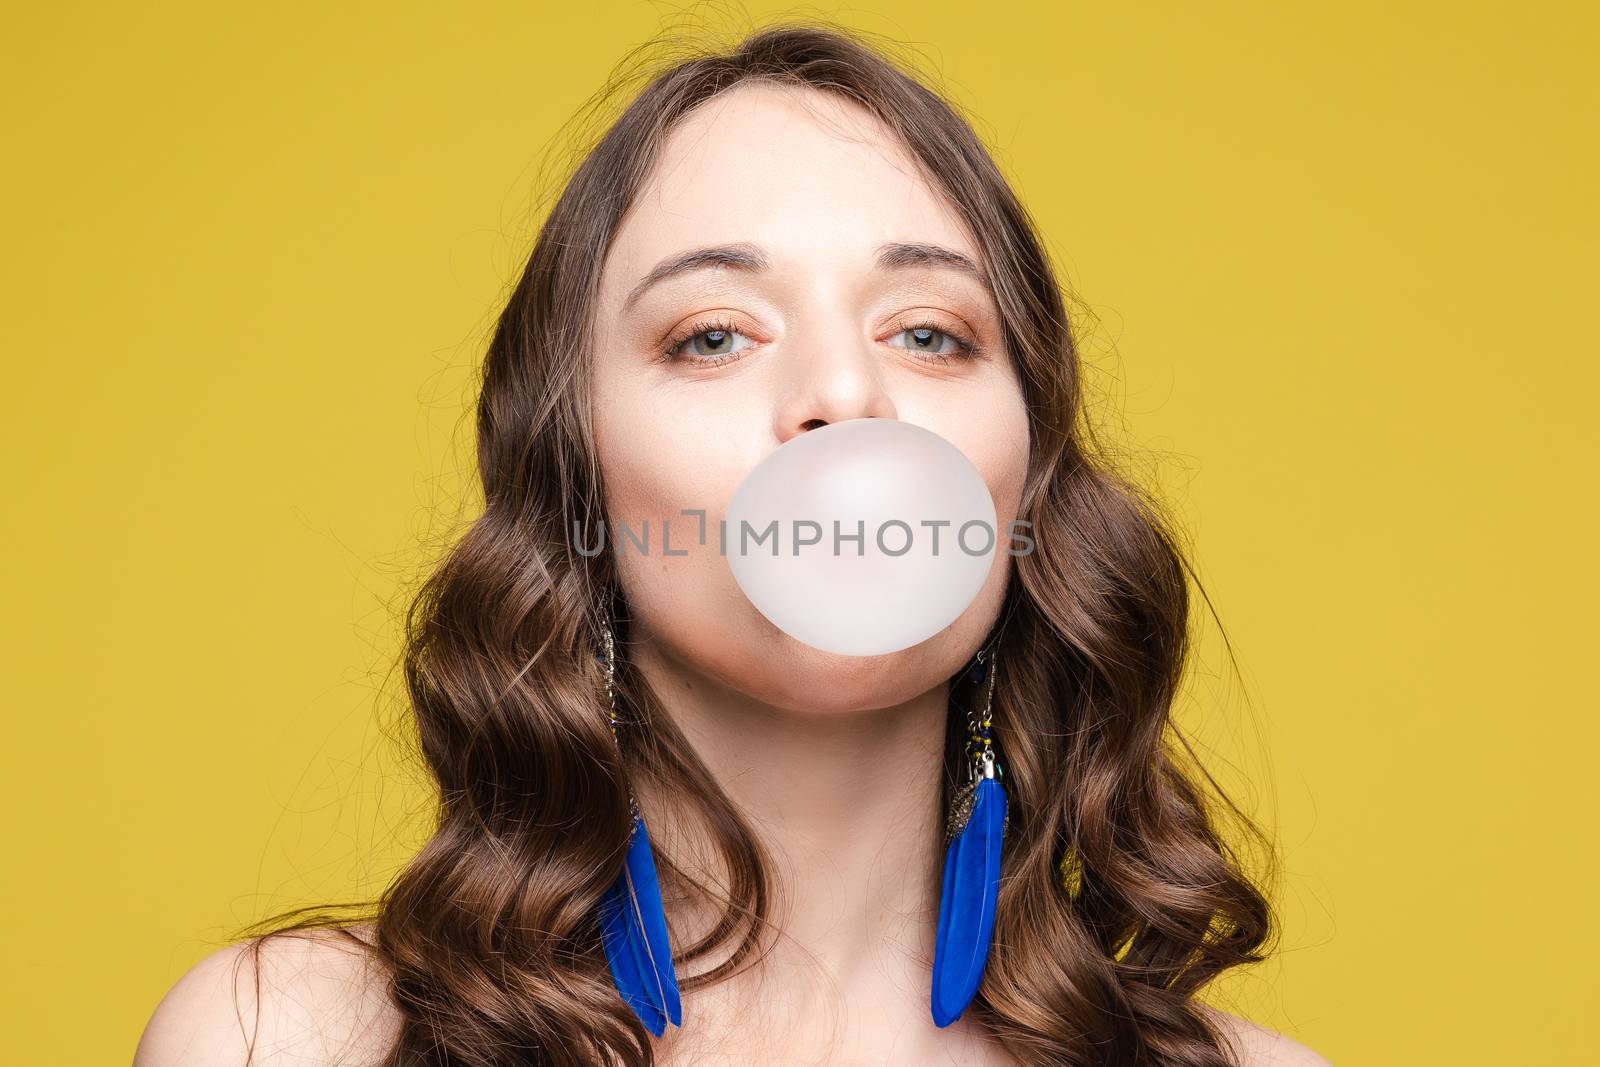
[925,339]
[931,341]
[711,343]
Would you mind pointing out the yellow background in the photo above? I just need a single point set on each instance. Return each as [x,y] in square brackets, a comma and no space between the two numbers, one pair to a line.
[1340,263]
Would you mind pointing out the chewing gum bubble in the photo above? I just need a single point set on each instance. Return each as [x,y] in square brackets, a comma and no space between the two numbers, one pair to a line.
[862,537]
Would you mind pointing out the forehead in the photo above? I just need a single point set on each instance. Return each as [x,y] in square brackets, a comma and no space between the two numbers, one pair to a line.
[812,178]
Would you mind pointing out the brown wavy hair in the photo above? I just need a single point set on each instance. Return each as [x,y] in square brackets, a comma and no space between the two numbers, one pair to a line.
[1120,898]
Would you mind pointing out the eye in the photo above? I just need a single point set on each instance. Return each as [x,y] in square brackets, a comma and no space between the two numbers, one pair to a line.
[708,342]
[932,342]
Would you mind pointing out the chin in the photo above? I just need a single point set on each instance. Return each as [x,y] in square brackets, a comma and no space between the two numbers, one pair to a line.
[735,646]
[789,674]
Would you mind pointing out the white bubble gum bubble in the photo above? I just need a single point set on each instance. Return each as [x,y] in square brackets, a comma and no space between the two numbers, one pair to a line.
[927,525]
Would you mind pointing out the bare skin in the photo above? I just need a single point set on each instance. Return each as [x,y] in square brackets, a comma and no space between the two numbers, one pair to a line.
[806,742]
[323,1003]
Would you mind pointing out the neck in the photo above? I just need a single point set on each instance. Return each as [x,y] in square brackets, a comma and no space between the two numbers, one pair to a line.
[847,806]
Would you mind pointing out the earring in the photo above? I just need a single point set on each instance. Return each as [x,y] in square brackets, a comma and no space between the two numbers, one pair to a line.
[975,827]
[633,923]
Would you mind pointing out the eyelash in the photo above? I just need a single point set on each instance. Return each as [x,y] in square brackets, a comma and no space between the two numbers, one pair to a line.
[968,348]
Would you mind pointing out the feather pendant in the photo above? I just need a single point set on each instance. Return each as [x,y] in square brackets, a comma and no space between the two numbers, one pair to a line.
[967,902]
[634,929]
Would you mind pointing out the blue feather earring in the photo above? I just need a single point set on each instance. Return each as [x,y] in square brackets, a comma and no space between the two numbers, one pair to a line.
[976,826]
[633,923]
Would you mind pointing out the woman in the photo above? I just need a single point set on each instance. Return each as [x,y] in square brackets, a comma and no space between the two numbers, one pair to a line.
[768,241]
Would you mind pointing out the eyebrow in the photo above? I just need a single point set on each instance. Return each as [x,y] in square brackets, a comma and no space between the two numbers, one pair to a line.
[747,257]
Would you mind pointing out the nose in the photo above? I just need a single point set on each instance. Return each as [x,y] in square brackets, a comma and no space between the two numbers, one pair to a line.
[826,381]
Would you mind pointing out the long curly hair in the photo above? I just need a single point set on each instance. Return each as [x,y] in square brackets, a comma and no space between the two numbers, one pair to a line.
[1120,898]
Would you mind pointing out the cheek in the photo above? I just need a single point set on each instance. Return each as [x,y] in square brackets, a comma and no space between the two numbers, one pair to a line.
[993,434]
[661,455]
[1007,469]
[644,455]
[1004,462]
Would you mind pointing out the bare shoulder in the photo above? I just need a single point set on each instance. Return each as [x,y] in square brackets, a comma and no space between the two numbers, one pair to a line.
[1258,1046]
[301,998]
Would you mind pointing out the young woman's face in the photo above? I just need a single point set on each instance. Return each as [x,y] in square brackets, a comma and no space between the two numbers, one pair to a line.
[816,327]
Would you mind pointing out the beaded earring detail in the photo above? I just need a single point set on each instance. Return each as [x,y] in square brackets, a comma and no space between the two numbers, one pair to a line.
[633,923]
[975,828]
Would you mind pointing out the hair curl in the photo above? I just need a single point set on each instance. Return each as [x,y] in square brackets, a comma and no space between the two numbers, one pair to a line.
[1120,898]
